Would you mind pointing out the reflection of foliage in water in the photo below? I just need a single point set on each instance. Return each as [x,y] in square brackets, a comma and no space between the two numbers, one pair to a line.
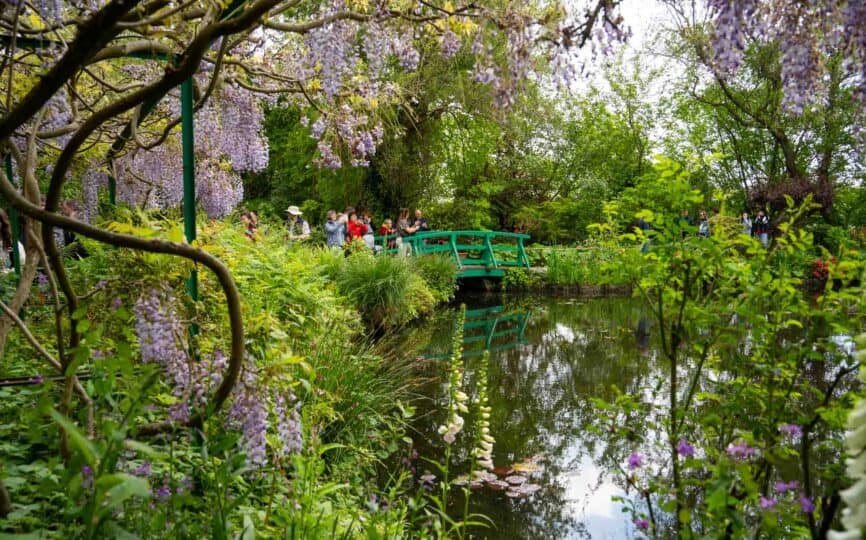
[541,394]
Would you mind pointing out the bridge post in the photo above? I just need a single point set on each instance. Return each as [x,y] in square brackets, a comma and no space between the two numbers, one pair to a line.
[489,247]
[521,252]
[452,239]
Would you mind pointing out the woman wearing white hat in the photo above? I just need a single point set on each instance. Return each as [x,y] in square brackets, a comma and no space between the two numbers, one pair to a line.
[299,229]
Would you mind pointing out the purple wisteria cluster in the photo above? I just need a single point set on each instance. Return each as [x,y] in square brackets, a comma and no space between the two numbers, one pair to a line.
[49,10]
[806,33]
[741,450]
[732,19]
[162,340]
[805,502]
[353,129]
[92,180]
[254,406]
[229,138]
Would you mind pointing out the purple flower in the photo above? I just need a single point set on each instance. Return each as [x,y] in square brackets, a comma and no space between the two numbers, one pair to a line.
[116,303]
[766,503]
[635,461]
[185,484]
[101,284]
[162,493]
[741,450]
[685,449]
[39,379]
[791,430]
[143,469]
[641,523]
[806,504]
[86,477]
[784,487]
[42,279]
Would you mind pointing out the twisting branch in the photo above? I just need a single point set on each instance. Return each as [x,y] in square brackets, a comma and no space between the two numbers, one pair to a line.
[93,35]
[28,335]
[230,290]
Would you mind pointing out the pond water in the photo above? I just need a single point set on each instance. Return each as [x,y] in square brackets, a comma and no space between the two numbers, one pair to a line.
[549,358]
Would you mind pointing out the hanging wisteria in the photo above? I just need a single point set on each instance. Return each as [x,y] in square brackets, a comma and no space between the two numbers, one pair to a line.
[229,141]
[806,34]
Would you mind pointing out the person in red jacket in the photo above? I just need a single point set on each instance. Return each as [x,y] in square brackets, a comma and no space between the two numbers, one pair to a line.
[354,228]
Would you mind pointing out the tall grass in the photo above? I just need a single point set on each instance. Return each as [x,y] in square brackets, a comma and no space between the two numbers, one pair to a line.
[567,267]
[440,275]
[387,291]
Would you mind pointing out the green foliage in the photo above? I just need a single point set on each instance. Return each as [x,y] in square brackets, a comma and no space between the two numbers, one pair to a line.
[302,332]
[292,178]
[440,275]
[519,279]
[734,397]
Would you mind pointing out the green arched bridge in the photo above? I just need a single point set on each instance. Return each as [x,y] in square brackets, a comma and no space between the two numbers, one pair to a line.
[475,253]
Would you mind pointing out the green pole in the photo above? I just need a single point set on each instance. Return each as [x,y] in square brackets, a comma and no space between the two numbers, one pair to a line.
[188,143]
[112,188]
[16,226]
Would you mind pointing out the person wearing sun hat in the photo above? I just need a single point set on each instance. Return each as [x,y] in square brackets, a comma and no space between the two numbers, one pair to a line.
[299,229]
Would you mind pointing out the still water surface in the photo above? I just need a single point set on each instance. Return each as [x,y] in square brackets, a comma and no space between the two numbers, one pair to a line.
[549,358]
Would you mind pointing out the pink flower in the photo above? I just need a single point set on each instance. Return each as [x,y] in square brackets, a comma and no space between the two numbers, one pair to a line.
[635,461]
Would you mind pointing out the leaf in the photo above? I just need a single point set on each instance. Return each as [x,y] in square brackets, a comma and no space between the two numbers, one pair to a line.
[124,487]
[249,532]
[142,448]
[78,439]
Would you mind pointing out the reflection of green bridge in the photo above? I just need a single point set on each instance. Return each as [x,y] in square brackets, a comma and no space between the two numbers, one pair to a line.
[492,328]
[476,253]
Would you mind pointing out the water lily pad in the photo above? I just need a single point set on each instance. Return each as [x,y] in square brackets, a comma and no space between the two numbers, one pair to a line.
[497,485]
[485,476]
[476,484]
[503,471]
[513,494]
[527,489]
[515,480]
[526,467]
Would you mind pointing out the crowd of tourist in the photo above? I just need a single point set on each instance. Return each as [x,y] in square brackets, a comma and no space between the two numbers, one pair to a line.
[759,227]
[347,227]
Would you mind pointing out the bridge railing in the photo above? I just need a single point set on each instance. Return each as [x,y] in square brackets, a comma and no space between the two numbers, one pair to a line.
[491,249]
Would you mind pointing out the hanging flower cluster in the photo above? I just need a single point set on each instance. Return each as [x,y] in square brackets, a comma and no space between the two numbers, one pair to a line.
[483,452]
[806,32]
[255,406]
[456,397]
[229,139]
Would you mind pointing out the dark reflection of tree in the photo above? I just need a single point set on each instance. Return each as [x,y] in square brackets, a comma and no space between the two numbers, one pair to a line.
[541,394]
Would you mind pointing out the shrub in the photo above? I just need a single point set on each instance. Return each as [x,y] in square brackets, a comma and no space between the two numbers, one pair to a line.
[440,275]
[386,290]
